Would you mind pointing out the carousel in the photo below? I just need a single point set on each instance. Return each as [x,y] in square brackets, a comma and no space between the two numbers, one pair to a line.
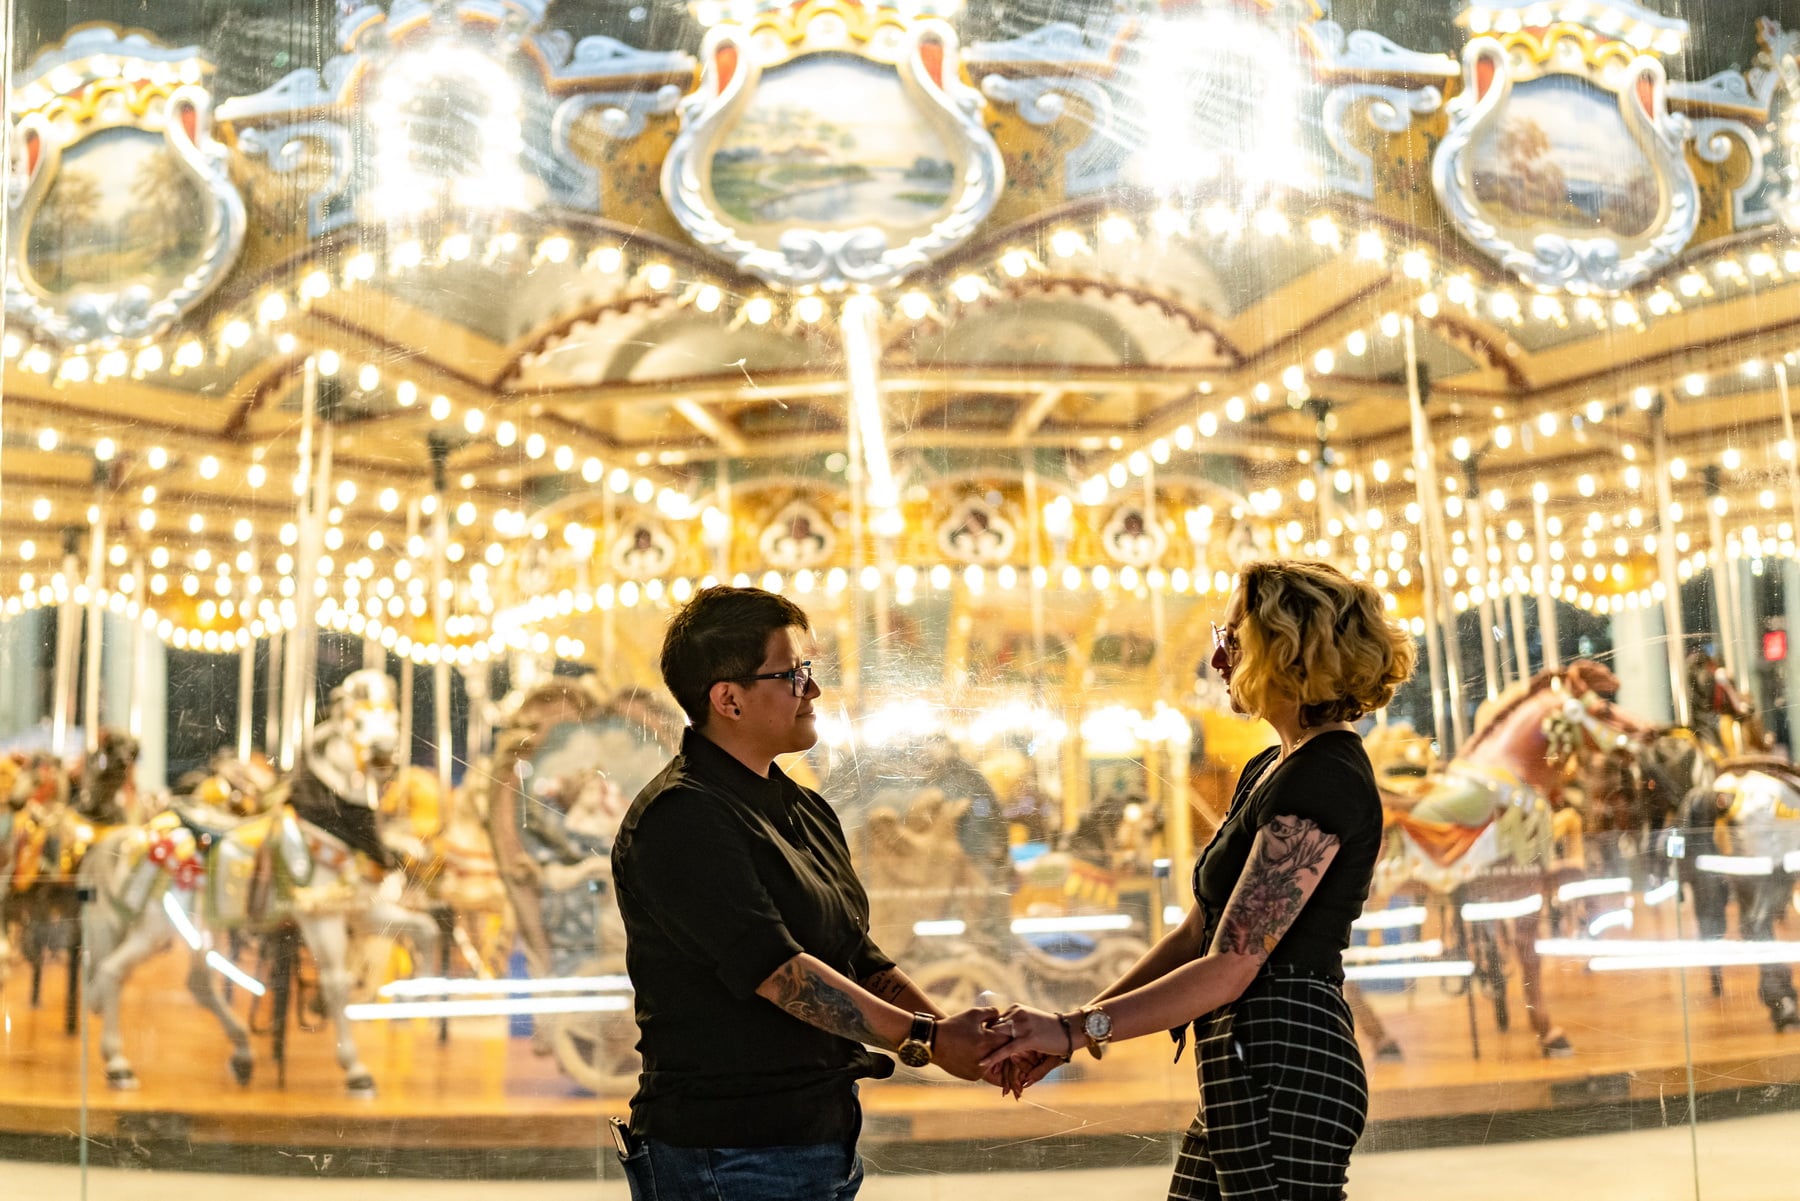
[365,419]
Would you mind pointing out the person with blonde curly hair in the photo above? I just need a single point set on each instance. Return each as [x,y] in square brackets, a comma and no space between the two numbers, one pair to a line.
[1257,964]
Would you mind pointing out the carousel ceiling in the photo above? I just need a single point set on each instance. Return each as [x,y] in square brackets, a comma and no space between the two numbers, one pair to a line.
[1059,289]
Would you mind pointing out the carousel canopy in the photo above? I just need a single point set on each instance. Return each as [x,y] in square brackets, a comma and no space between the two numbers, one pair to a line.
[543,310]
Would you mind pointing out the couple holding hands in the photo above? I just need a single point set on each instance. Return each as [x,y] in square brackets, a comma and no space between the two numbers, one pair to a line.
[759,993]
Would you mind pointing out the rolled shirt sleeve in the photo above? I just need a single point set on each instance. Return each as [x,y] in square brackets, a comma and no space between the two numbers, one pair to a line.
[695,875]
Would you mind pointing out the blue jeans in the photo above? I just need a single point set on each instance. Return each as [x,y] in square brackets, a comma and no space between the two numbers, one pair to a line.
[656,1171]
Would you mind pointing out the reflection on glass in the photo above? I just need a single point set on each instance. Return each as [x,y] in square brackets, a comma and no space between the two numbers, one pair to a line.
[461,343]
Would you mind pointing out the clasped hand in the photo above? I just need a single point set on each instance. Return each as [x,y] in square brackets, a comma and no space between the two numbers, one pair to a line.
[1035,1043]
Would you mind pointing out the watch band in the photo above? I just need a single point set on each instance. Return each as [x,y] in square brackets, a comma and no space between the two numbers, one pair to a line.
[924,1030]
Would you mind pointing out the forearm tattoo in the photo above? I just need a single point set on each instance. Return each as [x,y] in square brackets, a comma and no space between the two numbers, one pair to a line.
[1290,857]
[890,984]
[817,1002]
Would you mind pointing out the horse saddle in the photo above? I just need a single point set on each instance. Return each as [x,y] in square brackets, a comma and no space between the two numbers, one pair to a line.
[203,821]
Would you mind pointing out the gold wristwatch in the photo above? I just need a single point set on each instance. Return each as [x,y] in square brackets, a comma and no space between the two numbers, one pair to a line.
[915,1049]
[1097,1024]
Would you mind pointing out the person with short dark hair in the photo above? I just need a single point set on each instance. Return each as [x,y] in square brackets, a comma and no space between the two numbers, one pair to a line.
[1257,964]
[758,988]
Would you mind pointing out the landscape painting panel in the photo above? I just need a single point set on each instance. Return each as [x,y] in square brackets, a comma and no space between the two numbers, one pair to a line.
[122,210]
[833,142]
[1561,157]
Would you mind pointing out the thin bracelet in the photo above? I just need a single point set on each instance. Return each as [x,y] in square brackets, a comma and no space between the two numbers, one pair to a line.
[1069,1032]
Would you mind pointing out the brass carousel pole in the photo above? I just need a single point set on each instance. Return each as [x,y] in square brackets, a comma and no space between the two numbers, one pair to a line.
[246,687]
[1792,579]
[140,660]
[1724,589]
[1793,458]
[870,473]
[297,683]
[68,633]
[1477,531]
[409,670]
[96,614]
[1177,816]
[1540,579]
[1035,549]
[609,639]
[1515,606]
[1666,567]
[440,611]
[1440,620]
[272,700]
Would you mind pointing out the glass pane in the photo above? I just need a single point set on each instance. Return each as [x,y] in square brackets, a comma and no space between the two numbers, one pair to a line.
[379,381]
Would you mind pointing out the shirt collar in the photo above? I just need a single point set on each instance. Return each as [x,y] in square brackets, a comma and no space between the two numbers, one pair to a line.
[720,765]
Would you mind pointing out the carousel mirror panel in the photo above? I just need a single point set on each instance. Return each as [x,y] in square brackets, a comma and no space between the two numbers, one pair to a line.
[379,379]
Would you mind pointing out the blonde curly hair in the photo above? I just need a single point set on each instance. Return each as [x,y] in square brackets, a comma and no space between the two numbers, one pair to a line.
[1312,633]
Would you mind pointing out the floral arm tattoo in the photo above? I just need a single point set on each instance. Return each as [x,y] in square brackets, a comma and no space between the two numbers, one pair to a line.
[1285,864]
[816,1001]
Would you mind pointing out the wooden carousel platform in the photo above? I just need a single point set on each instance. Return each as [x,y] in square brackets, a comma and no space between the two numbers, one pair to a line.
[484,1092]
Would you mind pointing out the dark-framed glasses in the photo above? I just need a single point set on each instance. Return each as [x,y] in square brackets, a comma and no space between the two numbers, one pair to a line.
[1224,640]
[797,679]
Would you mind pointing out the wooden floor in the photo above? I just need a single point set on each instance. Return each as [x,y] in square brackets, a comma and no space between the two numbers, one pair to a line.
[485,1089]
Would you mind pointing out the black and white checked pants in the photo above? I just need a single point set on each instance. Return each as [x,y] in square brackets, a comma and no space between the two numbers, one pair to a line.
[1283,1097]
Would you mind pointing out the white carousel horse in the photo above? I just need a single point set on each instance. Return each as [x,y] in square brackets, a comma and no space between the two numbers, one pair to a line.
[1742,836]
[181,876]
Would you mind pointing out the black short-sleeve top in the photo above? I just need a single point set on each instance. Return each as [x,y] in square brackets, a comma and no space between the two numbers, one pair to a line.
[1327,780]
[722,877]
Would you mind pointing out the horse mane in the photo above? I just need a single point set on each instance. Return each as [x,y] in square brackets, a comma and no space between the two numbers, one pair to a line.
[1537,684]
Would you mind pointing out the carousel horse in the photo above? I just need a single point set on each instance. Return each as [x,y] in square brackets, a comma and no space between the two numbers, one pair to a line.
[1487,828]
[1745,809]
[567,763]
[915,870]
[102,798]
[35,803]
[452,877]
[1721,714]
[299,861]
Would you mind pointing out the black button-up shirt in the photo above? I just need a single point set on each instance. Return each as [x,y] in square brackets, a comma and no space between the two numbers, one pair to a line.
[722,877]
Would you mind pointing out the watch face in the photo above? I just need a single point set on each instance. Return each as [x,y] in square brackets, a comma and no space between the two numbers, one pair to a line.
[1099,1025]
[915,1054]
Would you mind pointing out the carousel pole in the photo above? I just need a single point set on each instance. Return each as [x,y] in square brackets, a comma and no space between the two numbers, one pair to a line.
[1477,531]
[440,611]
[1793,458]
[96,614]
[1666,567]
[609,637]
[272,701]
[68,632]
[409,668]
[1540,579]
[1440,622]
[1515,607]
[1177,815]
[140,662]
[296,676]
[871,474]
[855,477]
[1724,589]
[246,689]
[722,502]
[1792,579]
[1035,549]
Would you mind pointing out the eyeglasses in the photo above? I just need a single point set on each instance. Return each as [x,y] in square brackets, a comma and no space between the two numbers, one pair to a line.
[798,678]
[1224,640]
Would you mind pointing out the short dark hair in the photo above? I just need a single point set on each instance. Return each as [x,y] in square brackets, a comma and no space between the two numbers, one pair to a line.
[722,634]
